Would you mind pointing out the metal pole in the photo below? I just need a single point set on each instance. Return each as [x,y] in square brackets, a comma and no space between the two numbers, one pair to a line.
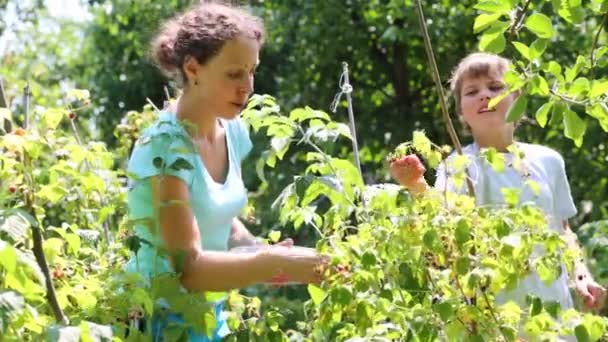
[347,89]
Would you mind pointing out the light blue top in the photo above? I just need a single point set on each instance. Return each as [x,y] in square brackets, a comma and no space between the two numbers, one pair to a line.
[166,148]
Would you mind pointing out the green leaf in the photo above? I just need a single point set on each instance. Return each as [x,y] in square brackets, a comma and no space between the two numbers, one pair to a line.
[274,236]
[598,88]
[495,159]
[181,164]
[511,196]
[537,48]
[368,259]
[494,6]
[6,114]
[316,294]
[534,186]
[571,11]
[444,310]
[79,94]
[8,257]
[536,306]
[158,162]
[539,86]
[462,265]
[540,25]
[518,108]
[496,100]
[599,111]
[53,116]
[462,233]
[523,49]
[542,114]
[579,88]
[554,68]
[581,333]
[493,40]
[575,127]
[421,142]
[52,193]
[484,20]
[557,113]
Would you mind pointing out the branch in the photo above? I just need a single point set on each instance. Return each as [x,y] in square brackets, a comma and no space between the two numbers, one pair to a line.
[493,314]
[595,40]
[37,248]
[437,78]
[519,17]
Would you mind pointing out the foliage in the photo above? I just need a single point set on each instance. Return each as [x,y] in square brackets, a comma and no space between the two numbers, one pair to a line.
[426,268]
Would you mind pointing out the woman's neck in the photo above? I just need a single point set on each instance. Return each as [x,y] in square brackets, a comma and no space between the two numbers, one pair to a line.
[192,112]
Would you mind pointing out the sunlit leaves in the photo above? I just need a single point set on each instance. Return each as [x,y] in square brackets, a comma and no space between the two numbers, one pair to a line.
[575,127]
[540,25]
[518,108]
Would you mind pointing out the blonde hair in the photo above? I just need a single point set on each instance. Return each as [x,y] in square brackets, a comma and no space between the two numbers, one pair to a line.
[475,65]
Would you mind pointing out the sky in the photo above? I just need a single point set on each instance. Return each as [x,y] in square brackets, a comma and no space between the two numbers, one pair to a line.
[59,9]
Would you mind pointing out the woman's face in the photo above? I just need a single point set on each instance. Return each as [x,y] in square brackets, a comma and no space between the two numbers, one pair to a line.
[475,94]
[225,81]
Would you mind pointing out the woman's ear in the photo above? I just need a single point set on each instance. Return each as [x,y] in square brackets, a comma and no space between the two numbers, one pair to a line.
[191,69]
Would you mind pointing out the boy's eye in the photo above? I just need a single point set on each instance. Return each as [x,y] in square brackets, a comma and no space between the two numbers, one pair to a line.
[497,87]
[471,92]
[234,74]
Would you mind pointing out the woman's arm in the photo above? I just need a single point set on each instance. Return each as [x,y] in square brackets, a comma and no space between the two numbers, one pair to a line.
[216,271]
[593,294]
[240,235]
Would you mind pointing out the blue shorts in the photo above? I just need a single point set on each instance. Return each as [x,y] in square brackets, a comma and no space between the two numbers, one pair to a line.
[159,324]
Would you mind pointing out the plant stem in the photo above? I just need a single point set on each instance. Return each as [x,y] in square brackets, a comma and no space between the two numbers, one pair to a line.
[37,238]
[518,19]
[493,314]
[595,40]
[437,79]
[37,248]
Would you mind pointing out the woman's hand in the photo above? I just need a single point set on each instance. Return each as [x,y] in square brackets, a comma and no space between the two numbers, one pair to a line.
[297,265]
[408,171]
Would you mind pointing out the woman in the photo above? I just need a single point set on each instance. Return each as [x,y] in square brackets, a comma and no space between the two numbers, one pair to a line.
[186,168]
[477,79]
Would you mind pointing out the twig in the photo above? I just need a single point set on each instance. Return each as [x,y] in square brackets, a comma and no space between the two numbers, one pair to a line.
[485,297]
[167,94]
[27,93]
[518,19]
[595,40]
[437,78]
[152,104]
[37,238]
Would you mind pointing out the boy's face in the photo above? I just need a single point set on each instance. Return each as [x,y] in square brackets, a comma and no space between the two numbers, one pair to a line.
[475,94]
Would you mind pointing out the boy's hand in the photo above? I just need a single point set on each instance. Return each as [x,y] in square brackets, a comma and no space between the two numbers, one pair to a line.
[594,295]
[409,171]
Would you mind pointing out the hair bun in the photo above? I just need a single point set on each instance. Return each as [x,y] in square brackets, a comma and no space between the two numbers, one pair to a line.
[163,48]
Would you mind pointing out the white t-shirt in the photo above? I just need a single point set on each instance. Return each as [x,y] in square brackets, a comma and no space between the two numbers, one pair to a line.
[544,166]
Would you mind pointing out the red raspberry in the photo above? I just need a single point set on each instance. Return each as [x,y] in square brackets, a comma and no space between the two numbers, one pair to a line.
[12,189]
[72,115]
